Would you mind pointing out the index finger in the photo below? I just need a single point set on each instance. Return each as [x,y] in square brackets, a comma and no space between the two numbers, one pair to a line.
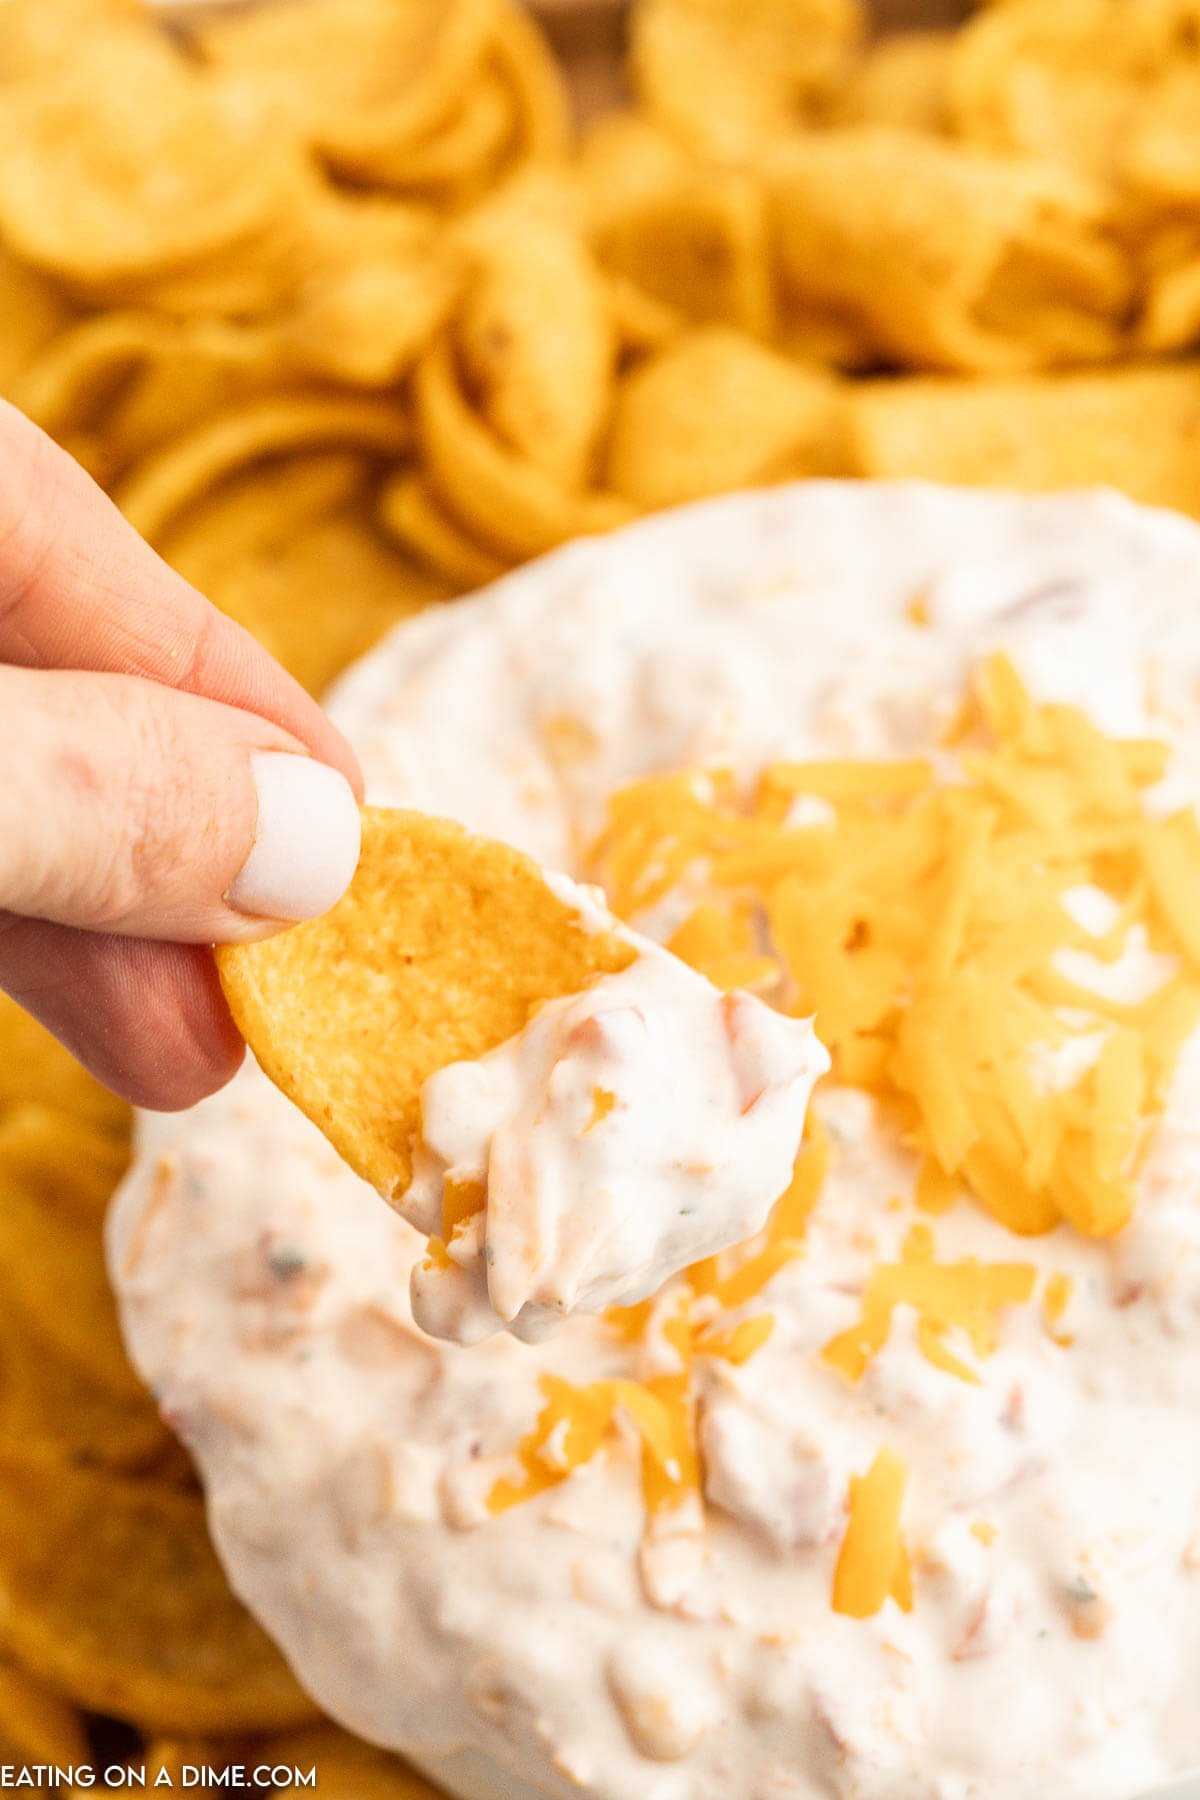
[79,589]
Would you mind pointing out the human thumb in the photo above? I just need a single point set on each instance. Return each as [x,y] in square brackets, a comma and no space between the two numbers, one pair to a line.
[127,806]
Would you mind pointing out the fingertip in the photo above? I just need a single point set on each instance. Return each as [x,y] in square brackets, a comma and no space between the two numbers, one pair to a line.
[307,839]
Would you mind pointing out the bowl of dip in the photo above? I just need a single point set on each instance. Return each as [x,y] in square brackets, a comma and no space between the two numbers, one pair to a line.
[575,1643]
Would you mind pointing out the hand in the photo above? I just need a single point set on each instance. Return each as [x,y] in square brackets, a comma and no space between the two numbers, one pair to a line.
[164,785]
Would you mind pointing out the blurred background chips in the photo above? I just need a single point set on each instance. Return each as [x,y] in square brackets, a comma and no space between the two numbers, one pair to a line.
[351,314]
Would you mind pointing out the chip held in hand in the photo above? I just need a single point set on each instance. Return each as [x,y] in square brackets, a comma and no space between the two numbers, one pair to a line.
[569,1113]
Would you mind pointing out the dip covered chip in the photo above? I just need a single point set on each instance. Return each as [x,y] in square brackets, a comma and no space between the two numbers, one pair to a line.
[437,953]
[567,1112]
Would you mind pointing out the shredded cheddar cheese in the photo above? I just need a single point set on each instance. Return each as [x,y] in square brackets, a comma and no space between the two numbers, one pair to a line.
[578,1421]
[738,1277]
[1055,1301]
[922,912]
[963,1296]
[602,1104]
[461,1202]
[719,942]
[873,1563]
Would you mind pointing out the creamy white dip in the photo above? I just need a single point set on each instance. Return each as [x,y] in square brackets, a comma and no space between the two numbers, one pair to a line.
[1052,1508]
[628,1131]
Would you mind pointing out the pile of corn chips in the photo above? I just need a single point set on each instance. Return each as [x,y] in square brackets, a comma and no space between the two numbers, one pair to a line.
[332,299]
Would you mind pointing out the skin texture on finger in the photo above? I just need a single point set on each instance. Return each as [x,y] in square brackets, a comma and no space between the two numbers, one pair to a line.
[79,589]
[147,1019]
[128,808]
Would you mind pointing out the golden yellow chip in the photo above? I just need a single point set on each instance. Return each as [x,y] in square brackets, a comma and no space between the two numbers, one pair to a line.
[48,1404]
[162,488]
[34,1066]
[1086,84]
[272,545]
[205,369]
[1159,167]
[260,509]
[512,506]
[36,37]
[623,158]
[167,1760]
[902,81]
[52,1268]
[113,1597]
[539,93]
[695,238]
[285,601]
[824,334]
[716,411]
[366,325]
[193,168]
[125,383]
[363,76]
[535,337]
[75,378]
[1170,318]
[489,97]
[951,258]
[642,323]
[344,226]
[62,1156]
[136,381]
[437,953]
[56,1174]
[32,311]
[315,232]
[346,1766]
[256,278]
[730,75]
[410,514]
[703,246]
[1132,428]
[461,159]
[36,1726]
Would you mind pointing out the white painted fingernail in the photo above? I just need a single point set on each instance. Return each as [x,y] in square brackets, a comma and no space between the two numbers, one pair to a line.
[306,840]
